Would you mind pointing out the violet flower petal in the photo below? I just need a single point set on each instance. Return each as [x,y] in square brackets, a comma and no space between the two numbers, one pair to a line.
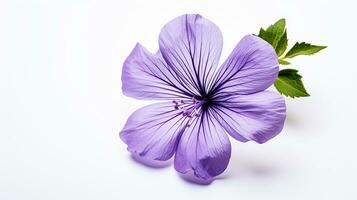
[251,67]
[146,76]
[192,46]
[257,117]
[204,149]
[153,131]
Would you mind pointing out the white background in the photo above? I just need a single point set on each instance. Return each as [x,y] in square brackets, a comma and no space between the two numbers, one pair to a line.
[62,107]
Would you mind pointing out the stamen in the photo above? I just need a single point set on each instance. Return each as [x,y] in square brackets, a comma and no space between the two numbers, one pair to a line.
[190,108]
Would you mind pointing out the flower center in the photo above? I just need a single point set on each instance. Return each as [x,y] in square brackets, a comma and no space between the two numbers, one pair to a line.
[189,108]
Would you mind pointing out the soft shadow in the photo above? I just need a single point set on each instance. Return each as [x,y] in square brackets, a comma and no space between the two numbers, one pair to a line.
[304,116]
[257,167]
[296,121]
[189,177]
[155,164]
[152,164]
[241,168]
[242,165]
[293,120]
[302,125]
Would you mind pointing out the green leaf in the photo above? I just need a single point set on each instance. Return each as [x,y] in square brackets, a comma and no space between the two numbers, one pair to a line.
[283,62]
[273,33]
[261,32]
[282,44]
[289,83]
[303,49]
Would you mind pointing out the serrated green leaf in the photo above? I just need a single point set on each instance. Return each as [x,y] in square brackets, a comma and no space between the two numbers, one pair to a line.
[261,32]
[282,44]
[289,83]
[303,49]
[283,62]
[273,33]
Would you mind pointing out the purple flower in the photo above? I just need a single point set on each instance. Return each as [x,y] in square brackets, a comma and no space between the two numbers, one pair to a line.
[202,102]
